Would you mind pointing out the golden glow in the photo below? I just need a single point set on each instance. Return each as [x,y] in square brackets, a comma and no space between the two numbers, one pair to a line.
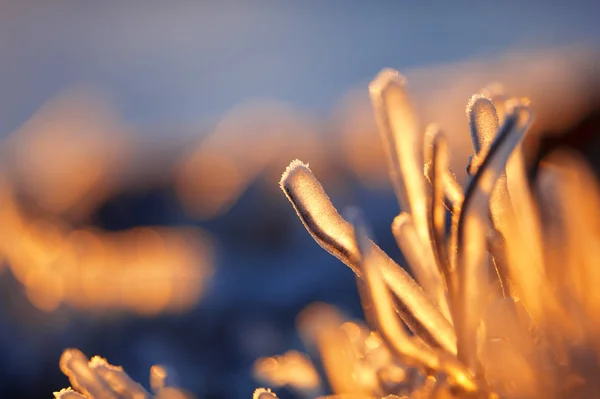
[292,369]
[76,131]
[63,162]
[146,270]
[513,333]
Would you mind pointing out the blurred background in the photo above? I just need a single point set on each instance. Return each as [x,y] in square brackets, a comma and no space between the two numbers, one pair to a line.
[142,142]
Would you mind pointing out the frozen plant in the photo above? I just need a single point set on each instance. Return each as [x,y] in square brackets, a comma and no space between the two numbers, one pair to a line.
[505,299]
[97,379]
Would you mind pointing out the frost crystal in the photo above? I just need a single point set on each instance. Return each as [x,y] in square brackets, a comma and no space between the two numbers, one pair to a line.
[502,305]
[97,379]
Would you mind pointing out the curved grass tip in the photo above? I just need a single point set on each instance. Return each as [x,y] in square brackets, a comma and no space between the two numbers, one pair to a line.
[386,77]
[476,101]
[291,170]
[483,121]
[68,393]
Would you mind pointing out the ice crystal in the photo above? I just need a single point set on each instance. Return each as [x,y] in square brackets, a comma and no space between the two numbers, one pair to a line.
[97,379]
[502,306]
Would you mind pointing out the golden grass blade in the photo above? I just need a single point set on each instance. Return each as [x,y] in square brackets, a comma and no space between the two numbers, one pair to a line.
[335,235]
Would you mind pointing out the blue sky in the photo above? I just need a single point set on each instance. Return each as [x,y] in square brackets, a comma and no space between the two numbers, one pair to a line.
[173,64]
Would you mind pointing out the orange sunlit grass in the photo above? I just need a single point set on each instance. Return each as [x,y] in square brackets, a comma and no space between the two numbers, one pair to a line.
[488,315]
